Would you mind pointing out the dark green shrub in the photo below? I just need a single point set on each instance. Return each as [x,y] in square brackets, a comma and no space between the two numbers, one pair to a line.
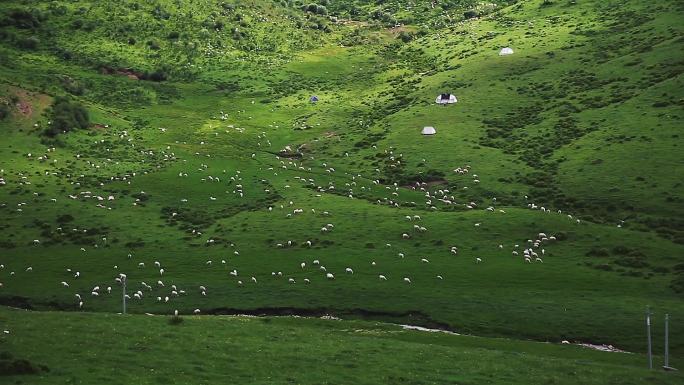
[406,36]
[66,116]
[469,14]
[29,43]
[604,267]
[24,19]
[141,197]
[153,44]
[74,87]
[677,284]
[159,13]
[10,367]
[622,250]
[58,10]
[158,75]
[4,111]
[631,262]
[65,218]
[598,252]
[561,236]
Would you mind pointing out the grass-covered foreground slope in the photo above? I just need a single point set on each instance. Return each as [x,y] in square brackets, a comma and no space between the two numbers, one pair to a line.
[204,154]
[206,350]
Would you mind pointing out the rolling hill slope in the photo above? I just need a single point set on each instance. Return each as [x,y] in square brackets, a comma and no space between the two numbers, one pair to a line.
[203,153]
[283,350]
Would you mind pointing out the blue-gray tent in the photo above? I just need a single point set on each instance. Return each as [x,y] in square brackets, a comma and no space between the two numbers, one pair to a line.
[313,99]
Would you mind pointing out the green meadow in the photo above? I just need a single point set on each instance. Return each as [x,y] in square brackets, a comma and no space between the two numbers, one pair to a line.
[176,145]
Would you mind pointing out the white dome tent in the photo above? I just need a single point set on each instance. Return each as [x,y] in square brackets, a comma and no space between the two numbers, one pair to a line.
[446,99]
[429,130]
[506,51]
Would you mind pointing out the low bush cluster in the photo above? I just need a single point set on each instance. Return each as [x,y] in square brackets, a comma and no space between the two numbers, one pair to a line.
[67,115]
[4,110]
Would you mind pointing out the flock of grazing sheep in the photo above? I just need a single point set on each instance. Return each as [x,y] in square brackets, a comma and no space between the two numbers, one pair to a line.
[532,250]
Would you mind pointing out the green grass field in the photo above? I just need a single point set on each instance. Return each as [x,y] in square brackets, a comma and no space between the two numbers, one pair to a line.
[209,350]
[204,156]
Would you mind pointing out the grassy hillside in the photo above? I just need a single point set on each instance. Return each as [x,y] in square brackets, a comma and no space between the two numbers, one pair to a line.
[426,14]
[203,152]
[291,350]
[169,36]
